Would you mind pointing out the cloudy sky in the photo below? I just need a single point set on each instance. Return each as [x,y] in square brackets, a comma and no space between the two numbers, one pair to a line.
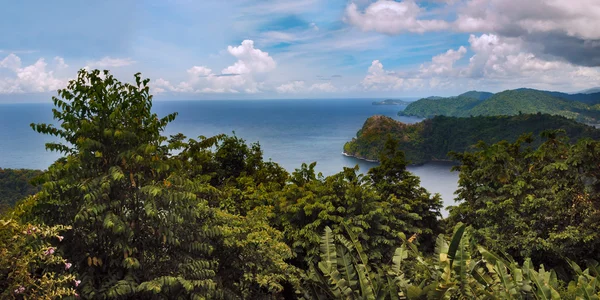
[238,49]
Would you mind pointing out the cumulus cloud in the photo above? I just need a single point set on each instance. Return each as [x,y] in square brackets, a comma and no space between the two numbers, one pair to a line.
[60,63]
[237,78]
[299,86]
[494,60]
[291,87]
[32,78]
[508,59]
[443,64]
[567,30]
[108,62]
[379,79]
[327,87]
[250,59]
[391,17]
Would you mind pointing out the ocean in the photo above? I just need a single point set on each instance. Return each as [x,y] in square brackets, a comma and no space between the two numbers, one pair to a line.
[290,132]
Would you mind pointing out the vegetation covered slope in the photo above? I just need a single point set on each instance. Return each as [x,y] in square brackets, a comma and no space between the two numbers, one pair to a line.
[15,185]
[511,102]
[477,95]
[437,106]
[590,97]
[433,138]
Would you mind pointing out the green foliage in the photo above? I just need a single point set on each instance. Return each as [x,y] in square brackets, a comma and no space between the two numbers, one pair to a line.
[433,138]
[29,266]
[477,95]
[459,269]
[511,102]
[15,185]
[141,225]
[430,107]
[533,202]
[376,208]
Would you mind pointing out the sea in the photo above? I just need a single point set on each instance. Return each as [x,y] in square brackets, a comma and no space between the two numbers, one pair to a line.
[290,132]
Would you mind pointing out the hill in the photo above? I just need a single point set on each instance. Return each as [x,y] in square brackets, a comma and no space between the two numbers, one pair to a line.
[433,138]
[477,95]
[590,97]
[429,107]
[591,91]
[511,102]
[14,186]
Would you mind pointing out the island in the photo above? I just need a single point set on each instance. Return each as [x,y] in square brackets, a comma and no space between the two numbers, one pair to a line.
[432,139]
[580,107]
[392,102]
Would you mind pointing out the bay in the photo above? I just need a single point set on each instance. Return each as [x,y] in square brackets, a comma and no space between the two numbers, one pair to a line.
[290,132]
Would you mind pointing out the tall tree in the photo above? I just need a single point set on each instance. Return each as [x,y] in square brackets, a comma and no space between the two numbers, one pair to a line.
[139,228]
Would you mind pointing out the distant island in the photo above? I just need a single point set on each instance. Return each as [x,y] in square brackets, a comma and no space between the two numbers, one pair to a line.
[392,102]
[581,107]
[433,138]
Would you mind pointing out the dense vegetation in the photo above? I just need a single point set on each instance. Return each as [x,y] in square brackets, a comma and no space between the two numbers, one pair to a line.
[592,97]
[15,185]
[477,95]
[128,213]
[433,139]
[511,102]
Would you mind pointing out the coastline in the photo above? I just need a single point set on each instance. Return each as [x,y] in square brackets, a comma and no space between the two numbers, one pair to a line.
[361,158]
[414,165]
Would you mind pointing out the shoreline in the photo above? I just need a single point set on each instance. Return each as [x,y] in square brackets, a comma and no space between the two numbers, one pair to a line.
[412,165]
[361,158]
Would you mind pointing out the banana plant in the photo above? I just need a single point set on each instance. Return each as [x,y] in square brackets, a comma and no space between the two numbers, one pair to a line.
[459,269]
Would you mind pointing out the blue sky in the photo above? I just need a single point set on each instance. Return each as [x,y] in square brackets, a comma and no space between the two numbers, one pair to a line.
[303,48]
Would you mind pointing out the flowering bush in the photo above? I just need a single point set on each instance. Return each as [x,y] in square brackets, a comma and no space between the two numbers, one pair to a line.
[30,267]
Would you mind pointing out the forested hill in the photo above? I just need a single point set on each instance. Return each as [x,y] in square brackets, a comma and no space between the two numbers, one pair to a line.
[477,95]
[511,102]
[14,186]
[433,138]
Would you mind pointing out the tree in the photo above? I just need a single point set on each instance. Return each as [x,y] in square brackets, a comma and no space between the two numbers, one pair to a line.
[411,207]
[532,202]
[139,227]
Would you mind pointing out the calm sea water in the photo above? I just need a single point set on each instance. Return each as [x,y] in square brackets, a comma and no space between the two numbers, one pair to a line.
[291,132]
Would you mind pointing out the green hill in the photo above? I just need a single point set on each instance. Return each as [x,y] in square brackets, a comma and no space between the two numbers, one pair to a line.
[590,98]
[429,107]
[14,186]
[511,102]
[477,95]
[433,138]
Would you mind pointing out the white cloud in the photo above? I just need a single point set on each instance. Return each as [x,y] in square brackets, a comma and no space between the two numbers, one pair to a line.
[327,87]
[569,30]
[291,87]
[391,17]
[495,61]
[29,79]
[299,86]
[108,62]
[60,63]
[443,64]
[11,62]
[380,79]
[250,59]
[237,78]
[575,18]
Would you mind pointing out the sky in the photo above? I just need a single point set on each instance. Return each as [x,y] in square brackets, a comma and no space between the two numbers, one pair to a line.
[278,49]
